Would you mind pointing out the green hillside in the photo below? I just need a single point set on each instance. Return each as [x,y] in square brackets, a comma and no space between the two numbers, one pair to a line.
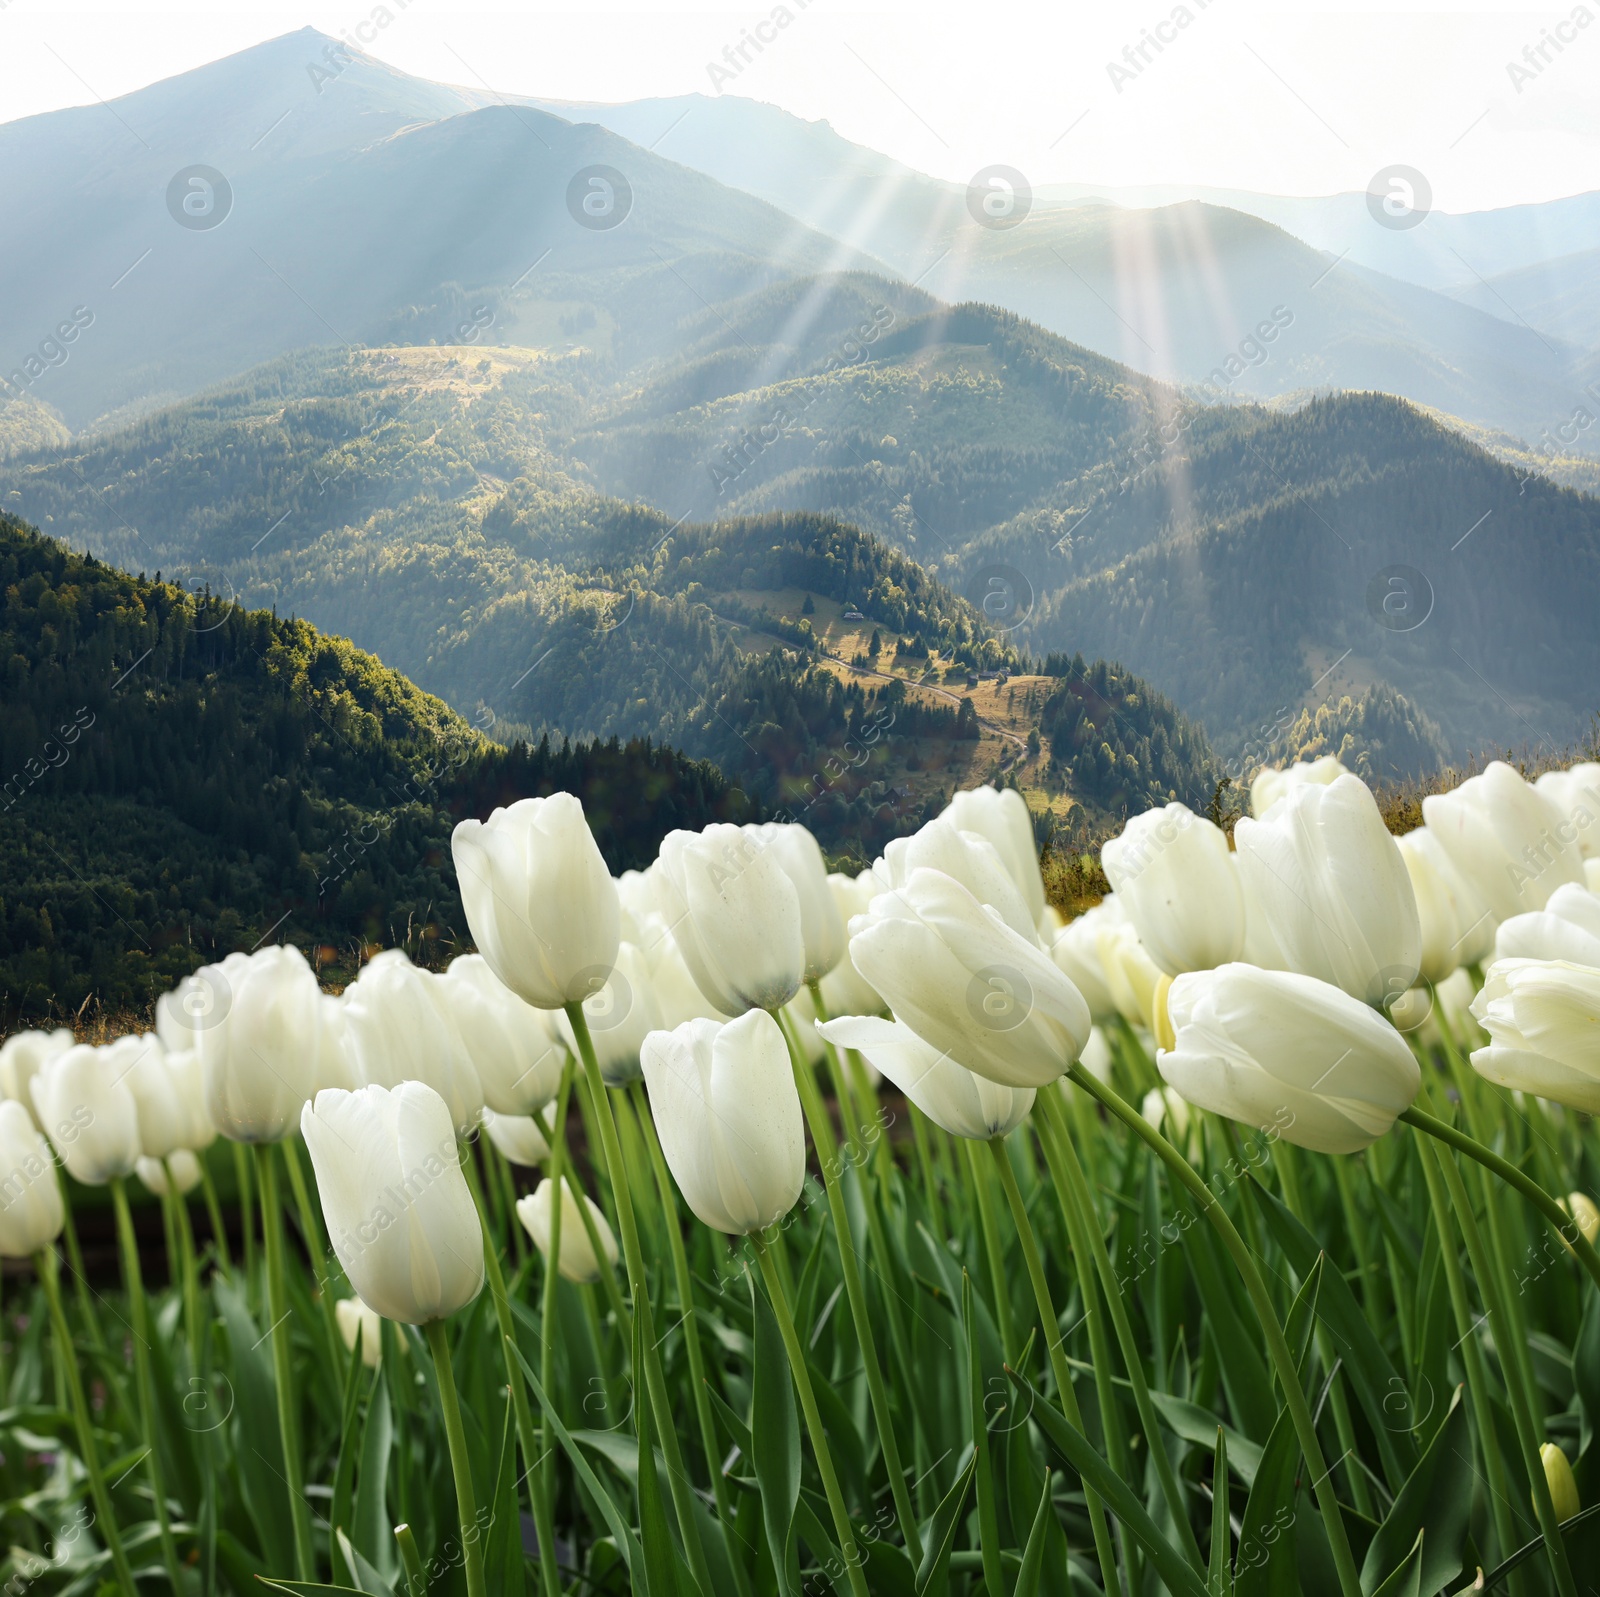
[183,777]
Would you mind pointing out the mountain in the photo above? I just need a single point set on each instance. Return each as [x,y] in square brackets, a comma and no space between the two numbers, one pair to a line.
[1180,288]
[301,193]
[183,778]
[1560,297]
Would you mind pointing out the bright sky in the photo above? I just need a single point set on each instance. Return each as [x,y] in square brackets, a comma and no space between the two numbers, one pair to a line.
[1287,98]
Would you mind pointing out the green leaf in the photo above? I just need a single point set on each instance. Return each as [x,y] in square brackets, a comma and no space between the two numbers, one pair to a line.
[370,1530]
[988,1509]
[345,1472]
[1219,1574]
[257,1449]
[655,1535]
[367,1578]
[1033,1554]
[1265,1565]
[1406,1581]
[1437,1499]
[503,1559]
[933,1576]
[1372,1376]
[1194,1424]
[1078,1451]
[1586,1367]
[775,1442]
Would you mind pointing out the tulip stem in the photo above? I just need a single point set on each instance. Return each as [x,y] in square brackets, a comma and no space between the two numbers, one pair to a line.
[828,1156]
[683,1500]
[1065,1391]
[990,1230]
[133,1280]
[1277,1346]
[460,1459]
[80,1281]
[608,1278]
[179,1211]
[1566,1227]
[557,1142]
[691,1332]
[282,1368]
[322,1280]
[49,1275]
[241,1171]
[1489,1284]
[538,1501]
[1083,1226]
[219,1229]
[808,1404]
[1471,1353]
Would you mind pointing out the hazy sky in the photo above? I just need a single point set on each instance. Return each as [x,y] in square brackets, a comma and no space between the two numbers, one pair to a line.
[1286,98]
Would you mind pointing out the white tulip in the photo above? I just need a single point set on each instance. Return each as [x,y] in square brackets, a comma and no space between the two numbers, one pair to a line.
[1542,1017]
[1173,877]
[1003,818]
[514,1049]
[396,1031]
[678,994]
[183,1166]
[1076,952]
[1162,1104]
[1567,928]
[728,1115]
[1270,785]
[1456,926]
[1334,889]
[20,1057]
[1131,975]
[968,984]
[845,991]
[1576,793]
[577,1261]
[83,1101]
[31,1215]
[1276,1049]
[1423,1012]
[335,1066]
[1591,874]
[542,906]
[1260,946]
[821,925]
[619,1017]
[399,1213]
[168,1092]
[1096,1057]
[1510,842]
[255,1022]
[518,1137]
[735,916]
[356,1319]
[949,1094]
[967,857]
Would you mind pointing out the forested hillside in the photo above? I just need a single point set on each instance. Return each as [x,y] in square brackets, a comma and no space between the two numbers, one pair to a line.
[183,777]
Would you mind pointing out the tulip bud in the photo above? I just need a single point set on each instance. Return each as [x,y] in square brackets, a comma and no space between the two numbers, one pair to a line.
[182,1166]
[515,1054]
[168,1094]
[735,917]
[1173,878]
[1455,924]
[619,1015]
[335,1066]
[542,906]
[81,1097]
[1512,844]
[1160,1015]
[577,1261]
[1567,928]
[1576,794]
[1333,887]
[1558,1477]
[397,1032]
[1583,1210]
[1542,1017]
[845,991]
[21,1056]
[821,925]
[1270,785]
[518,1137]
[31,1215]
[965,857]
[968,984]
[1163,1106]
[255,1022]
[950,1095]
[1003,818]
[1076,952]
[399,1213]
[356,1319]
[1131,975]
[1279,1050]
[728,1116]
